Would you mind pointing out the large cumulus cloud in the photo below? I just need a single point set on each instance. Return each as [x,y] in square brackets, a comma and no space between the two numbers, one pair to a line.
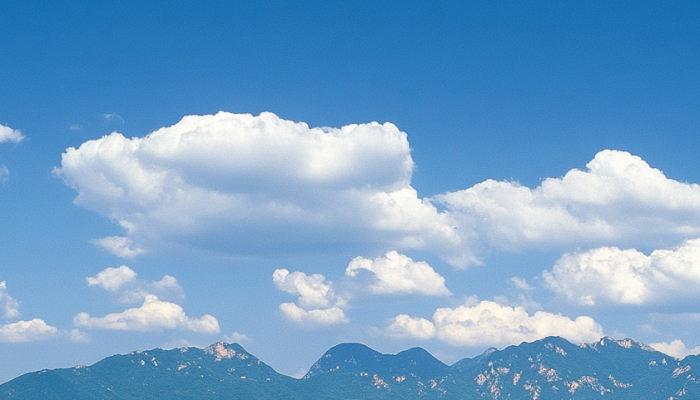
[248,184]
[610,275]
[618,199]
[254,184]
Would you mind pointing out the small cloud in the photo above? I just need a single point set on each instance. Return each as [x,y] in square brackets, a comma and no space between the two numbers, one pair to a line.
[27,331]
[119,246]
[4,173]
[123,281]
[74,127]
[675,349]
[180,343]
[237,337]
[324,316]
[78,336]
[404,326]
[313,291]
[318,302]
[8,134]
[520,283]
[8,305]
[648,328]
[396,273]
[113,117]
[153,315]
[111,279]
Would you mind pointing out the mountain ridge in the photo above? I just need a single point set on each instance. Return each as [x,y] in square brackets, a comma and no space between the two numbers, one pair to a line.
[549,368]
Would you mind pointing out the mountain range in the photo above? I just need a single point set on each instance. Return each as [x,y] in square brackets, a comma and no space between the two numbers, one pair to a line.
[551,368]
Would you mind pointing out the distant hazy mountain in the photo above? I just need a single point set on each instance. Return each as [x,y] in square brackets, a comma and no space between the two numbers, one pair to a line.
[550,368]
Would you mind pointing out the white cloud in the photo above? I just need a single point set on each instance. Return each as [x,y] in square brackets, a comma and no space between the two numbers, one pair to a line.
[78,336]
[153,315]
[112,279]
[397,273]
[20,331]
[124,282]
[406,326]
[489,323]
[246,184]
[675,349]
[520,283]
[120,246]
[313,291]
[318,302]
[8,134]
[4,173]
[611,275]
[9,306]
[113,117]
[237,338]
[27,331]
[619,199]
[318,316]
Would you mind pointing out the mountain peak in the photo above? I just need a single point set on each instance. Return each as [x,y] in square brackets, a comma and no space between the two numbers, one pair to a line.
[223,350]
[624,343]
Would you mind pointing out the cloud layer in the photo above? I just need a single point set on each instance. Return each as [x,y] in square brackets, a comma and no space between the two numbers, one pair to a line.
[487,323]
[609,275]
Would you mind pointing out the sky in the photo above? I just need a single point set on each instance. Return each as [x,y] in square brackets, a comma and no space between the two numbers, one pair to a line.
[453,176]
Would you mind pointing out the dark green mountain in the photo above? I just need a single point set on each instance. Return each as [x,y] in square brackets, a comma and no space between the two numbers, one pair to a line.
[550,368]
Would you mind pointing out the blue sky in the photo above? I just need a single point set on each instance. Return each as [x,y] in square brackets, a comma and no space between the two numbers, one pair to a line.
[453,176]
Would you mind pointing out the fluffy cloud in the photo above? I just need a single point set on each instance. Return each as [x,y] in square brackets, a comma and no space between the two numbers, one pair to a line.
[403,326]
[619,199]
[8,134]
[318,316]
[489,323]
[318,302]
[123,281]
[20,331]
[243,183]
[119,246]
[153,315]
[8,305]
[611,275]
[397,273]
[675,349]
[27,331]
[247,184]
[237,337]
[112,279]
